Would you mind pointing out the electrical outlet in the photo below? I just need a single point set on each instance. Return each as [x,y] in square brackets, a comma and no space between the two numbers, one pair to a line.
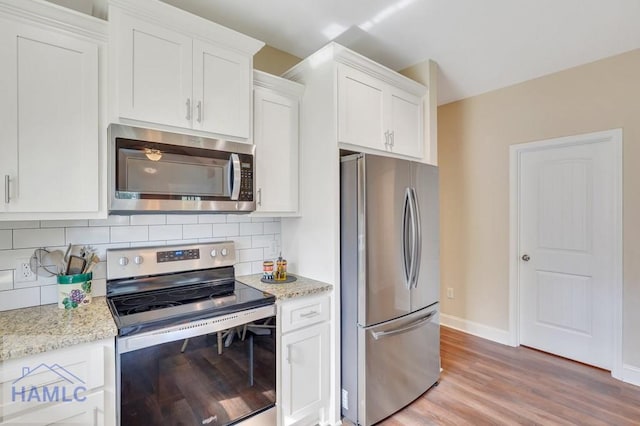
[345,399]
[449,292]
[24,274]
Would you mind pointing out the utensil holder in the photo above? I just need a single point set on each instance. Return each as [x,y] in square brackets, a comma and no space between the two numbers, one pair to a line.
[74,290]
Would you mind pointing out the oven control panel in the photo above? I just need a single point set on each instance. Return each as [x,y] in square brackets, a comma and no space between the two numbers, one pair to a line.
[175,255]
[139,261]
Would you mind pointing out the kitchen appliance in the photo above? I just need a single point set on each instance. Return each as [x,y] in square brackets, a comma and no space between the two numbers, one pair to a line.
[155,171]
[389,284]
[174,306]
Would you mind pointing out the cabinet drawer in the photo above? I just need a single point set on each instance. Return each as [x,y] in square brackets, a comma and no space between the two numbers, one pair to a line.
[301,313]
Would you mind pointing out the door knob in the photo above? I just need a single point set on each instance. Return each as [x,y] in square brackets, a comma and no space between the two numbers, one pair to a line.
[526,257]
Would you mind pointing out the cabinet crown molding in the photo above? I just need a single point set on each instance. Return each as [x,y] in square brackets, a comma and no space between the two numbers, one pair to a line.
[57,17]
[340,54]
[187,23]
[269,81]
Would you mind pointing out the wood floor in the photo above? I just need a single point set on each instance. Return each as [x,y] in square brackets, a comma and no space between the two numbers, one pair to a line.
[485,383]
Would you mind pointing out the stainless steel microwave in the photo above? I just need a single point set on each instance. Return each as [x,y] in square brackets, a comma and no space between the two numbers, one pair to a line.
[156,171]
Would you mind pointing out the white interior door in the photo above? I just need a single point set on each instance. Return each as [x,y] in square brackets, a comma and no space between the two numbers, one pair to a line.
[568,223]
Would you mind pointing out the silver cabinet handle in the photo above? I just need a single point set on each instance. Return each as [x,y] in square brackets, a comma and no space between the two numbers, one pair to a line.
[199,106]
[310,314]
[7,189]
[188,103]
[392,138]
[260,196]
[387,144]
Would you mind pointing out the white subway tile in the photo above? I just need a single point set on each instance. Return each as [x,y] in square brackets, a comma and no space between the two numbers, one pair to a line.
[272,228]
[24,238]
[243,268]
[48,294]
[165,232]
[19,224]
[113,220]
[88,235]
[98,287]
[100,271]
[148,219]
[261,241]
[251,228]
[242,242]
[101,249]
[261,219]
[250,255]
[212,240]
[6,239]
[212,218]
[238,218]
[184,242]
[129,234]
[225,230]
[202,230]
[256,267]
[21,298]
[63,223]
[150,243]
[6,281]
[8,258]
[180,219]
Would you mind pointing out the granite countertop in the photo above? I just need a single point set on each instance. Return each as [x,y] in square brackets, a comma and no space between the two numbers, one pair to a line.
[29,331]
[301,287]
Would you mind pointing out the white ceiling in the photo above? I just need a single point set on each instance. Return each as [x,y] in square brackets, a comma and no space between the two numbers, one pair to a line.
[479,45]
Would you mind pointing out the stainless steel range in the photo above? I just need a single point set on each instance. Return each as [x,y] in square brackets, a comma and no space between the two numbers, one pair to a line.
[194,345]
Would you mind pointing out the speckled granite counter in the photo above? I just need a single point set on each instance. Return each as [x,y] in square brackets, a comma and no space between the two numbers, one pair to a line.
[29,331]
[301,287]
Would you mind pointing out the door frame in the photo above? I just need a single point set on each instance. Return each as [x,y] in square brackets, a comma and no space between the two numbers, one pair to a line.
[515,154]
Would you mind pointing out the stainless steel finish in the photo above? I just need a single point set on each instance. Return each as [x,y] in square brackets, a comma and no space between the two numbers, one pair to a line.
[389,284]
[7,189]
[399,367]
[188,103]
[115,270]
[123,261]
[192,329]
[526,257]
[417,323]
[143,205]
[199,108]
[259,196]
[235,182]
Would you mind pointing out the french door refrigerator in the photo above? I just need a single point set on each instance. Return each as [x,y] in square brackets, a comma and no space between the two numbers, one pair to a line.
[390,284]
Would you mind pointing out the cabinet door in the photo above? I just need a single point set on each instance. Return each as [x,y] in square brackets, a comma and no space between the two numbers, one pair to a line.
[406,123]
[154,72]
[276,140]
[305,372]
[360,109]
[49,108]
[79,409]
[222,91]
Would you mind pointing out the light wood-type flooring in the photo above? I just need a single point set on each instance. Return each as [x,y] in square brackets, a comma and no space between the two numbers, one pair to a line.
[485,383]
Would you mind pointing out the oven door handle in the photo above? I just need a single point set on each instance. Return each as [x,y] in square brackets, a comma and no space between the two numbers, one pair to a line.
[235,176]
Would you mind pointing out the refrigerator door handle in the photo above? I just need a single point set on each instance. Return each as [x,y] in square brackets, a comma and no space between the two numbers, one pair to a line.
[406,239]
[417,239]
[415,324]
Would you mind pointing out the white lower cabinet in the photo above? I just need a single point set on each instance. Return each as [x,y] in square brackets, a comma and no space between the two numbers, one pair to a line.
[304,391]
[74,385]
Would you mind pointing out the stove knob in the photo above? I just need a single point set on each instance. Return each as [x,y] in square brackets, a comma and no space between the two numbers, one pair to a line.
[214,253]
[138,260]
[224,252]
[123,261]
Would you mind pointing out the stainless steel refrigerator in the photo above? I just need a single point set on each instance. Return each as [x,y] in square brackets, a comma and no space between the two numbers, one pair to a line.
[390,284]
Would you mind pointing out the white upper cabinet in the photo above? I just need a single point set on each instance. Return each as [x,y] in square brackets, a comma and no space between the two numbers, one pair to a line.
[51,143]
[174,69]
[276,117]
[375,114]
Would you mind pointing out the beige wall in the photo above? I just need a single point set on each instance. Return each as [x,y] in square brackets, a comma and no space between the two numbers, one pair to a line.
[473,142]
[274,61]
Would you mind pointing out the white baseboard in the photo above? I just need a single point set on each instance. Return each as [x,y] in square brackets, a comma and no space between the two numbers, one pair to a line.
[630,374]
[477,329]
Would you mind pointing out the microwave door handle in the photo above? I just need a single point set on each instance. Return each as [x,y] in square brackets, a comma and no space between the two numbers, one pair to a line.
[234,181]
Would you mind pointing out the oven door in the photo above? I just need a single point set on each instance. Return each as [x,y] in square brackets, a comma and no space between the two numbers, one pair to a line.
[218,371]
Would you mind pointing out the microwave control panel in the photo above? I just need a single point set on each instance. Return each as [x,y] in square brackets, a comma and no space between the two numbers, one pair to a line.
[246,182]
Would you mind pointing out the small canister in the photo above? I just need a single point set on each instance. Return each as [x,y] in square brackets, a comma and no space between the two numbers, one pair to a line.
[267,269]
